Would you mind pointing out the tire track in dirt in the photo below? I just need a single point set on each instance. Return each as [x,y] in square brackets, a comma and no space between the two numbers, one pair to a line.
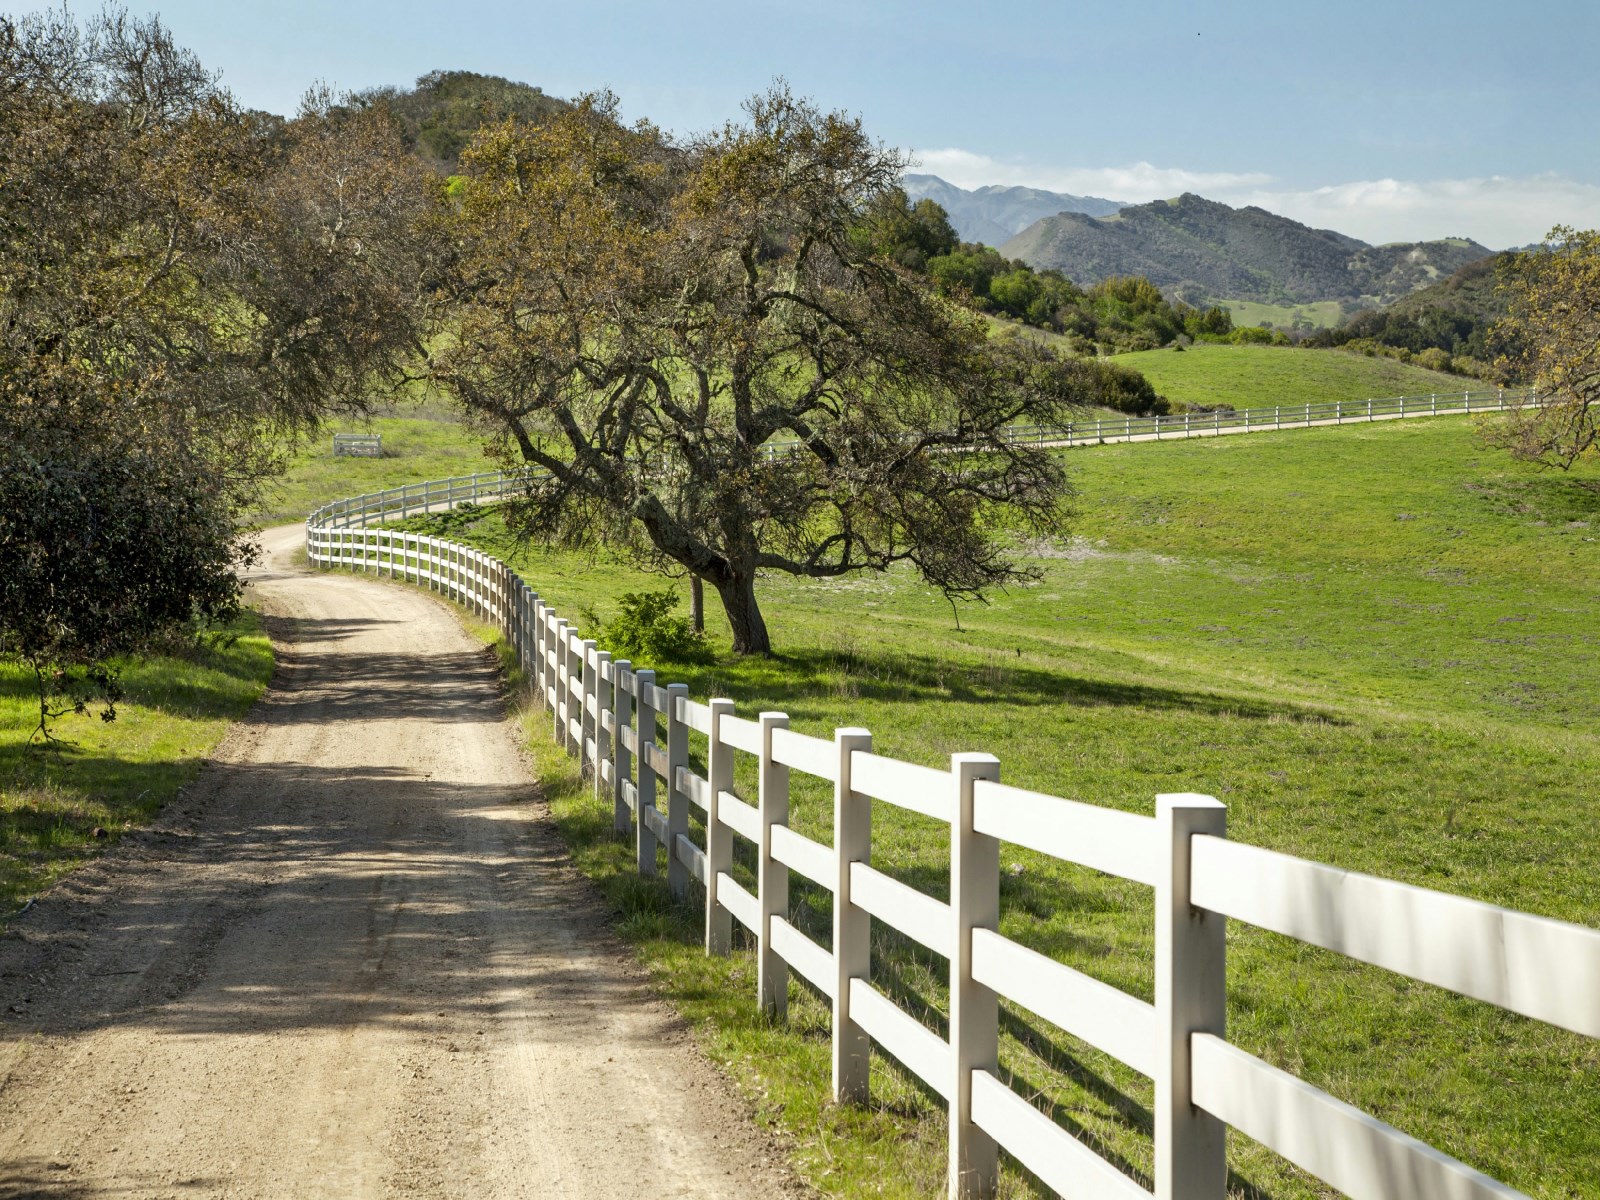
[350,960]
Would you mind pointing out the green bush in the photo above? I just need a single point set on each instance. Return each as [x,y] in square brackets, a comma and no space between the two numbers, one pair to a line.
[646,632]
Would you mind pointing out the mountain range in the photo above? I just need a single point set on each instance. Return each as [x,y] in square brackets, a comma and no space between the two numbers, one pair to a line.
[995,214]
[1201,251]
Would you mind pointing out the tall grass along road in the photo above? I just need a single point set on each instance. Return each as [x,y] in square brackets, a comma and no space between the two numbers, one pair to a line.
[350,961]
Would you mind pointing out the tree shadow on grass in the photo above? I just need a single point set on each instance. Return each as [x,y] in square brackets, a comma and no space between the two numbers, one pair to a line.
[893,676]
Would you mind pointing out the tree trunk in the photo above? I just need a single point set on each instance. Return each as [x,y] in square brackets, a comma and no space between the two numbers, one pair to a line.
[744,615]
[697,603]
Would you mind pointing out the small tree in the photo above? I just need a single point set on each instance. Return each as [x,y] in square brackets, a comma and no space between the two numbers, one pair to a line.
[1552,335]
[104,543]
[714,370]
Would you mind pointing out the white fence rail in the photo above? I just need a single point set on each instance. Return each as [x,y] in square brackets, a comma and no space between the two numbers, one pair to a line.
[632,735]
[1252,420]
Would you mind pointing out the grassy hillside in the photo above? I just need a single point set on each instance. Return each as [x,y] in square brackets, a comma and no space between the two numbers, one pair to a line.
[1203,250]
[418,447]
[1374,643]
[1321,315]
[1263,376]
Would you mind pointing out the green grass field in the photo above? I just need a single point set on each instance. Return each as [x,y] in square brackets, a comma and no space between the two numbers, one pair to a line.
[1264,376]
[1324,314]
[114,777]
[427,445]
[1375,644]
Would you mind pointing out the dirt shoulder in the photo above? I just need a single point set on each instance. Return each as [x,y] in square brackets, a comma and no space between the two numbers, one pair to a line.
[352,961]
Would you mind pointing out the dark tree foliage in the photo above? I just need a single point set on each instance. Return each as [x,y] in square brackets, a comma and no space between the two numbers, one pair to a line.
[643,321]
[182,286]
[908,234]
[102,543]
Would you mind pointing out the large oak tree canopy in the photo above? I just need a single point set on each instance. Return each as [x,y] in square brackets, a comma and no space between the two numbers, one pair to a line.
[650,324]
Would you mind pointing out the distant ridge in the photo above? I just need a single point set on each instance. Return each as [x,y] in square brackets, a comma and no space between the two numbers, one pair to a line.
[1201,250]
[994,214]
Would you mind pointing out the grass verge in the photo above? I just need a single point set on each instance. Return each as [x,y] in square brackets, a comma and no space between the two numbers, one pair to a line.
[61,805]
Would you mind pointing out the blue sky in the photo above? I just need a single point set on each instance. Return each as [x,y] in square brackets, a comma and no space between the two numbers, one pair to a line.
[1389,121]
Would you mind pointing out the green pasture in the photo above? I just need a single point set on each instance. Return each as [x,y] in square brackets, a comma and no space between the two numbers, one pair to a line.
[1321,314]
[422,444]
[1376,644]
[61,804]
[1264,376]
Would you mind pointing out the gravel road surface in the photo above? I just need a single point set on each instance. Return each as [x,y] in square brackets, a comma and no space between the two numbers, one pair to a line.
[351,961]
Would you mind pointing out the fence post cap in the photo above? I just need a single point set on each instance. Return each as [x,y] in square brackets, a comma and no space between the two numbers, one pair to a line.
[972,761]
[1167,801]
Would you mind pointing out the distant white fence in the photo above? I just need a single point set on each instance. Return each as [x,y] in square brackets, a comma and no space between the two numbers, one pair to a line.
[1262,420]
[1103,431]
[357,445]
[632,734]
[438,495]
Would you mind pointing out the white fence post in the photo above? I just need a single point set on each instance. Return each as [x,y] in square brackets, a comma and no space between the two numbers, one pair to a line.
[558,711]
[677,802]
[621,758]
[852,926]
[586,721]
[719,838]
[572,648]
[604,685]
[645,733]
[974,1009]
[1191,997]
[772,877]
[539,618]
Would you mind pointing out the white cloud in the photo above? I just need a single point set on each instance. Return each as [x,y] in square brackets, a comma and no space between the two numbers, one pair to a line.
[1138,182]
[1496,210]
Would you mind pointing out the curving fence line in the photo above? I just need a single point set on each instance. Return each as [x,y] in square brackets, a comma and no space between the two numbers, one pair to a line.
[631,733]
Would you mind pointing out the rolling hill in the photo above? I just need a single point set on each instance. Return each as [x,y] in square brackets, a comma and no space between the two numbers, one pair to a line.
[439,116]
[995,214]
[1204,251]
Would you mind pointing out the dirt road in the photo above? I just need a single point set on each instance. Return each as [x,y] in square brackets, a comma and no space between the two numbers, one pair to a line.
[349,961]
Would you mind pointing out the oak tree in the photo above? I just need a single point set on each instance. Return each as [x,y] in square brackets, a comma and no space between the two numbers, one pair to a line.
[712,369]
[1552,340]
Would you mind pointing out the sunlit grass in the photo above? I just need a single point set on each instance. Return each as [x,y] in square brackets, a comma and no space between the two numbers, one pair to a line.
[61,804]
[1376,645]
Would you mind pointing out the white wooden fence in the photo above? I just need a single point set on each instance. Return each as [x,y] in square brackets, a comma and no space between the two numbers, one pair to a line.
[631,733]
[1252,420]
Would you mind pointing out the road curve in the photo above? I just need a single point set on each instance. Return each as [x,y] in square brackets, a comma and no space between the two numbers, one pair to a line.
[351,961]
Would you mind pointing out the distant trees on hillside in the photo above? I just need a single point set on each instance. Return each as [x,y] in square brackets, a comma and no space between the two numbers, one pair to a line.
[1448,326]
[1121,313]
[438,118]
